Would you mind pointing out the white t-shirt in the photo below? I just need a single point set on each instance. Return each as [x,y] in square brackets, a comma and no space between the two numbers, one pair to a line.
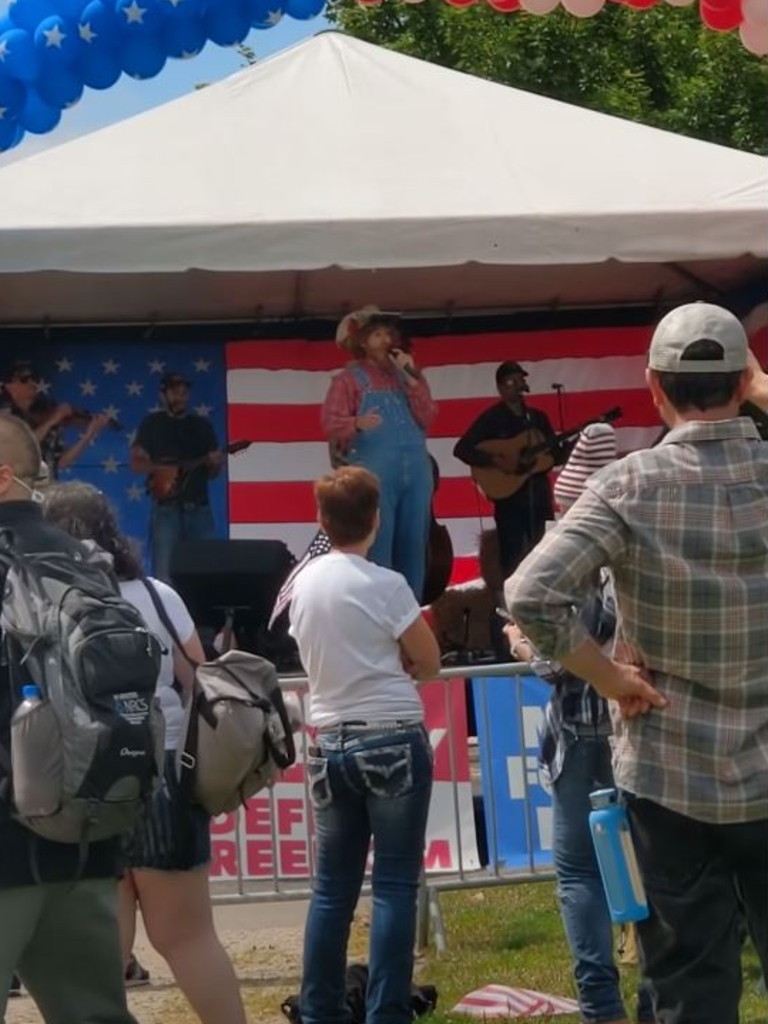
[170,702]
[347,615]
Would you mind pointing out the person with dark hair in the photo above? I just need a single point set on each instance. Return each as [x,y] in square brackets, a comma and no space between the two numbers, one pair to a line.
[59,917]
[683,527]
[21,397]
[376,414]
[169,852]
[178,453]
[364,646]
[521,516]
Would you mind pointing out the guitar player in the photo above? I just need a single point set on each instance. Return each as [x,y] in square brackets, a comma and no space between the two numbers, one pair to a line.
[165,443]
[521,517]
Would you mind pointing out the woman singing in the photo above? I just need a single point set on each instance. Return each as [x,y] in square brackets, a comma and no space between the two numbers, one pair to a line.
[377,412]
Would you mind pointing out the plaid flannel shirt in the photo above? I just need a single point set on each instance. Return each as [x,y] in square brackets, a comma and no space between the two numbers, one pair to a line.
[684,528]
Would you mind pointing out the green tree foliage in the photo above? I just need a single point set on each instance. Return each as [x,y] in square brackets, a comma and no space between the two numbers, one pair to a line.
[661,66]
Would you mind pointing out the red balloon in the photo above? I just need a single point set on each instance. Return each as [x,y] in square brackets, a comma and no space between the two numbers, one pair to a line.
[461,3]
[719,5]
[505,6]
[721,19]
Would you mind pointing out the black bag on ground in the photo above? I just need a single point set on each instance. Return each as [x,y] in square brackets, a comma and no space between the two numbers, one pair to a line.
[423,998]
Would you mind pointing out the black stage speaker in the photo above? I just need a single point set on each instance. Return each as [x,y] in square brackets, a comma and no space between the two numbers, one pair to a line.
[215,576]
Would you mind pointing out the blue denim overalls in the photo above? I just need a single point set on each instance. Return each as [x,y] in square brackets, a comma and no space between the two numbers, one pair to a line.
[396,452]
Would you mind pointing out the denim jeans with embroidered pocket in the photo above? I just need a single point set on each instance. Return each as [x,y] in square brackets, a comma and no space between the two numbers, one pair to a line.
[366,787]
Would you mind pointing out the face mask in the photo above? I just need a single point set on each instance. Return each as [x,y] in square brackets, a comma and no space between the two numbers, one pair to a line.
[36,496]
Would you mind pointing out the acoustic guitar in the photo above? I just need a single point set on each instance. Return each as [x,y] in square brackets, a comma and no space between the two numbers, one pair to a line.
[523,456]
[166,482]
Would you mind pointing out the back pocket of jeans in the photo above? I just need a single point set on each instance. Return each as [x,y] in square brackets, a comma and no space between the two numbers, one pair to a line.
[386,771]
[318,783]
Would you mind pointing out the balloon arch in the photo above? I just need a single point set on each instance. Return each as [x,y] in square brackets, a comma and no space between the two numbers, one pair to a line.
[51,50]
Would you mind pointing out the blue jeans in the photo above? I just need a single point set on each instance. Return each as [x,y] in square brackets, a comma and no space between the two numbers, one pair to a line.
[363,786]
[583,907]
[172,523]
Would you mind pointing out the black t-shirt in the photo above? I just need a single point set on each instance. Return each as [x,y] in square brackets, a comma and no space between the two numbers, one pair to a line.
[20,848]
[178,439]
[501,422]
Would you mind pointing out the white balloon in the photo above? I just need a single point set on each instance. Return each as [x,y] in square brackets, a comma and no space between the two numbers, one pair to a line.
[539,7]
[754,37]
[583,8]
[680,3]
[755,11]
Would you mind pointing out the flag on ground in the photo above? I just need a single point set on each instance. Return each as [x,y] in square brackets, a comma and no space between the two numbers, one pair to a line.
[502,1001]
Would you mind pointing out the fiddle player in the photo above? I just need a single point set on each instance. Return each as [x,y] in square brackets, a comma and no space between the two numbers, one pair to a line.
[166,443]
[21,397]
[520,518]
[376,415]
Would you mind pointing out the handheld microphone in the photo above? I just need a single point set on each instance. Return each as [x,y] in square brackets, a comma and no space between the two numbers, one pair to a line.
[410,370]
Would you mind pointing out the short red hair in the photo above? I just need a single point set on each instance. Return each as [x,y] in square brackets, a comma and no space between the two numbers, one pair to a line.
[347,503]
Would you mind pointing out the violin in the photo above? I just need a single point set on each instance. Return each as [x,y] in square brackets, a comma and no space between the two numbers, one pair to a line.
[44,405]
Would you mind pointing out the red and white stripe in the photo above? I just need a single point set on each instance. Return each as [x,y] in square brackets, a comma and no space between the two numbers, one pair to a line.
[502,1001]
[275,390]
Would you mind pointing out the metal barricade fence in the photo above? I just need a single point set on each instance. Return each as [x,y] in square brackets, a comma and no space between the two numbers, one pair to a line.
[265,851]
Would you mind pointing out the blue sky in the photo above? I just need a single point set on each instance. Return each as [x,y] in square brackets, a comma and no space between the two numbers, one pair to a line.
[129,97]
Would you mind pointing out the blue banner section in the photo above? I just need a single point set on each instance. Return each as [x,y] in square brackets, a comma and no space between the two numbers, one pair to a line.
[123,381]
[516,800]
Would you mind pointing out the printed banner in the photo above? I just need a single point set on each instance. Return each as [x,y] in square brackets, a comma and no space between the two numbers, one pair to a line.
[516,796]
[276,827]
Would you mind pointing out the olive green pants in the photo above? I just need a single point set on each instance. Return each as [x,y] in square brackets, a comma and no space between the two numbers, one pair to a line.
[63,940]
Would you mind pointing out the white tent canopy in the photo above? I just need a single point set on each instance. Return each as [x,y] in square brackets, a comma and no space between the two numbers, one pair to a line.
[338,172]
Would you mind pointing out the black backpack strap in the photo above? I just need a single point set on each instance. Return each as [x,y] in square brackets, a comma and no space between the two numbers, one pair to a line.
[165,618]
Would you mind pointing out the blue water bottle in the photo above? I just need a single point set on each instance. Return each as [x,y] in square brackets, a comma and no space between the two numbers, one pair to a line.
[616,858]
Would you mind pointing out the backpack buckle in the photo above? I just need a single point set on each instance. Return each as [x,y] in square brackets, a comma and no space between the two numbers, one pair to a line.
[187,760]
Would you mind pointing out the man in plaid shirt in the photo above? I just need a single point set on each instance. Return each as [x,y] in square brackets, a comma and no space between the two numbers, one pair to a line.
[684,528]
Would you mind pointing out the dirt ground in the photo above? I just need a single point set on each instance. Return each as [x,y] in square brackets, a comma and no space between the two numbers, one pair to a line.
[264,941]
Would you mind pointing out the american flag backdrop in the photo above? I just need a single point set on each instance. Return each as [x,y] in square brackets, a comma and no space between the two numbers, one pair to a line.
[275,390]
[122,380]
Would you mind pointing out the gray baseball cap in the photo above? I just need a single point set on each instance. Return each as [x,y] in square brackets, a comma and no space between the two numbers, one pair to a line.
[698,321]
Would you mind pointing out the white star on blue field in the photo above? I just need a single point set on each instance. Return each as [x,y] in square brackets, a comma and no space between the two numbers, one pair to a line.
[123,382]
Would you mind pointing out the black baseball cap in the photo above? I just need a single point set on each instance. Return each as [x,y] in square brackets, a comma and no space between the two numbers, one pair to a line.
[173,380]
[508,369]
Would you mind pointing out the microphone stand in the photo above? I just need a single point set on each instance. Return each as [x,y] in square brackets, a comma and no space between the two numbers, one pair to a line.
[560,388]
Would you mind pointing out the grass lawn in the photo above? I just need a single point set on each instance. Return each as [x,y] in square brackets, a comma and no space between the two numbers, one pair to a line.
[513,936]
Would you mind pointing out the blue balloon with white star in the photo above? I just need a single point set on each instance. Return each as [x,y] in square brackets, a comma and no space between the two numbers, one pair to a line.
[228,24]
[99,68]
[304,10]
[143,57]
[12,96]
[265,13]
[98,26]
[182,10]
[138,17]
[184,37]
[18,55]
[36,116]
[70,8]
[57,41]
[28,14]
[60,87]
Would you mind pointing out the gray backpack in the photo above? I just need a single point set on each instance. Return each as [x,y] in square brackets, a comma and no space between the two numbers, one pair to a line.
[87,754]
[237,733]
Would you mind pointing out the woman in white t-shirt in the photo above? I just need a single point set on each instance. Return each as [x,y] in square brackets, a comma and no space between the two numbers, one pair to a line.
[364,644]
[169,851]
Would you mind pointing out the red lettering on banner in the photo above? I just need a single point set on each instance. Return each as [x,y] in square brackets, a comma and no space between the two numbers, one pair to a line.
[258,821]
[438,855]
[223,859]
[289,813]
[223,825]
[259,860]
[294,858]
